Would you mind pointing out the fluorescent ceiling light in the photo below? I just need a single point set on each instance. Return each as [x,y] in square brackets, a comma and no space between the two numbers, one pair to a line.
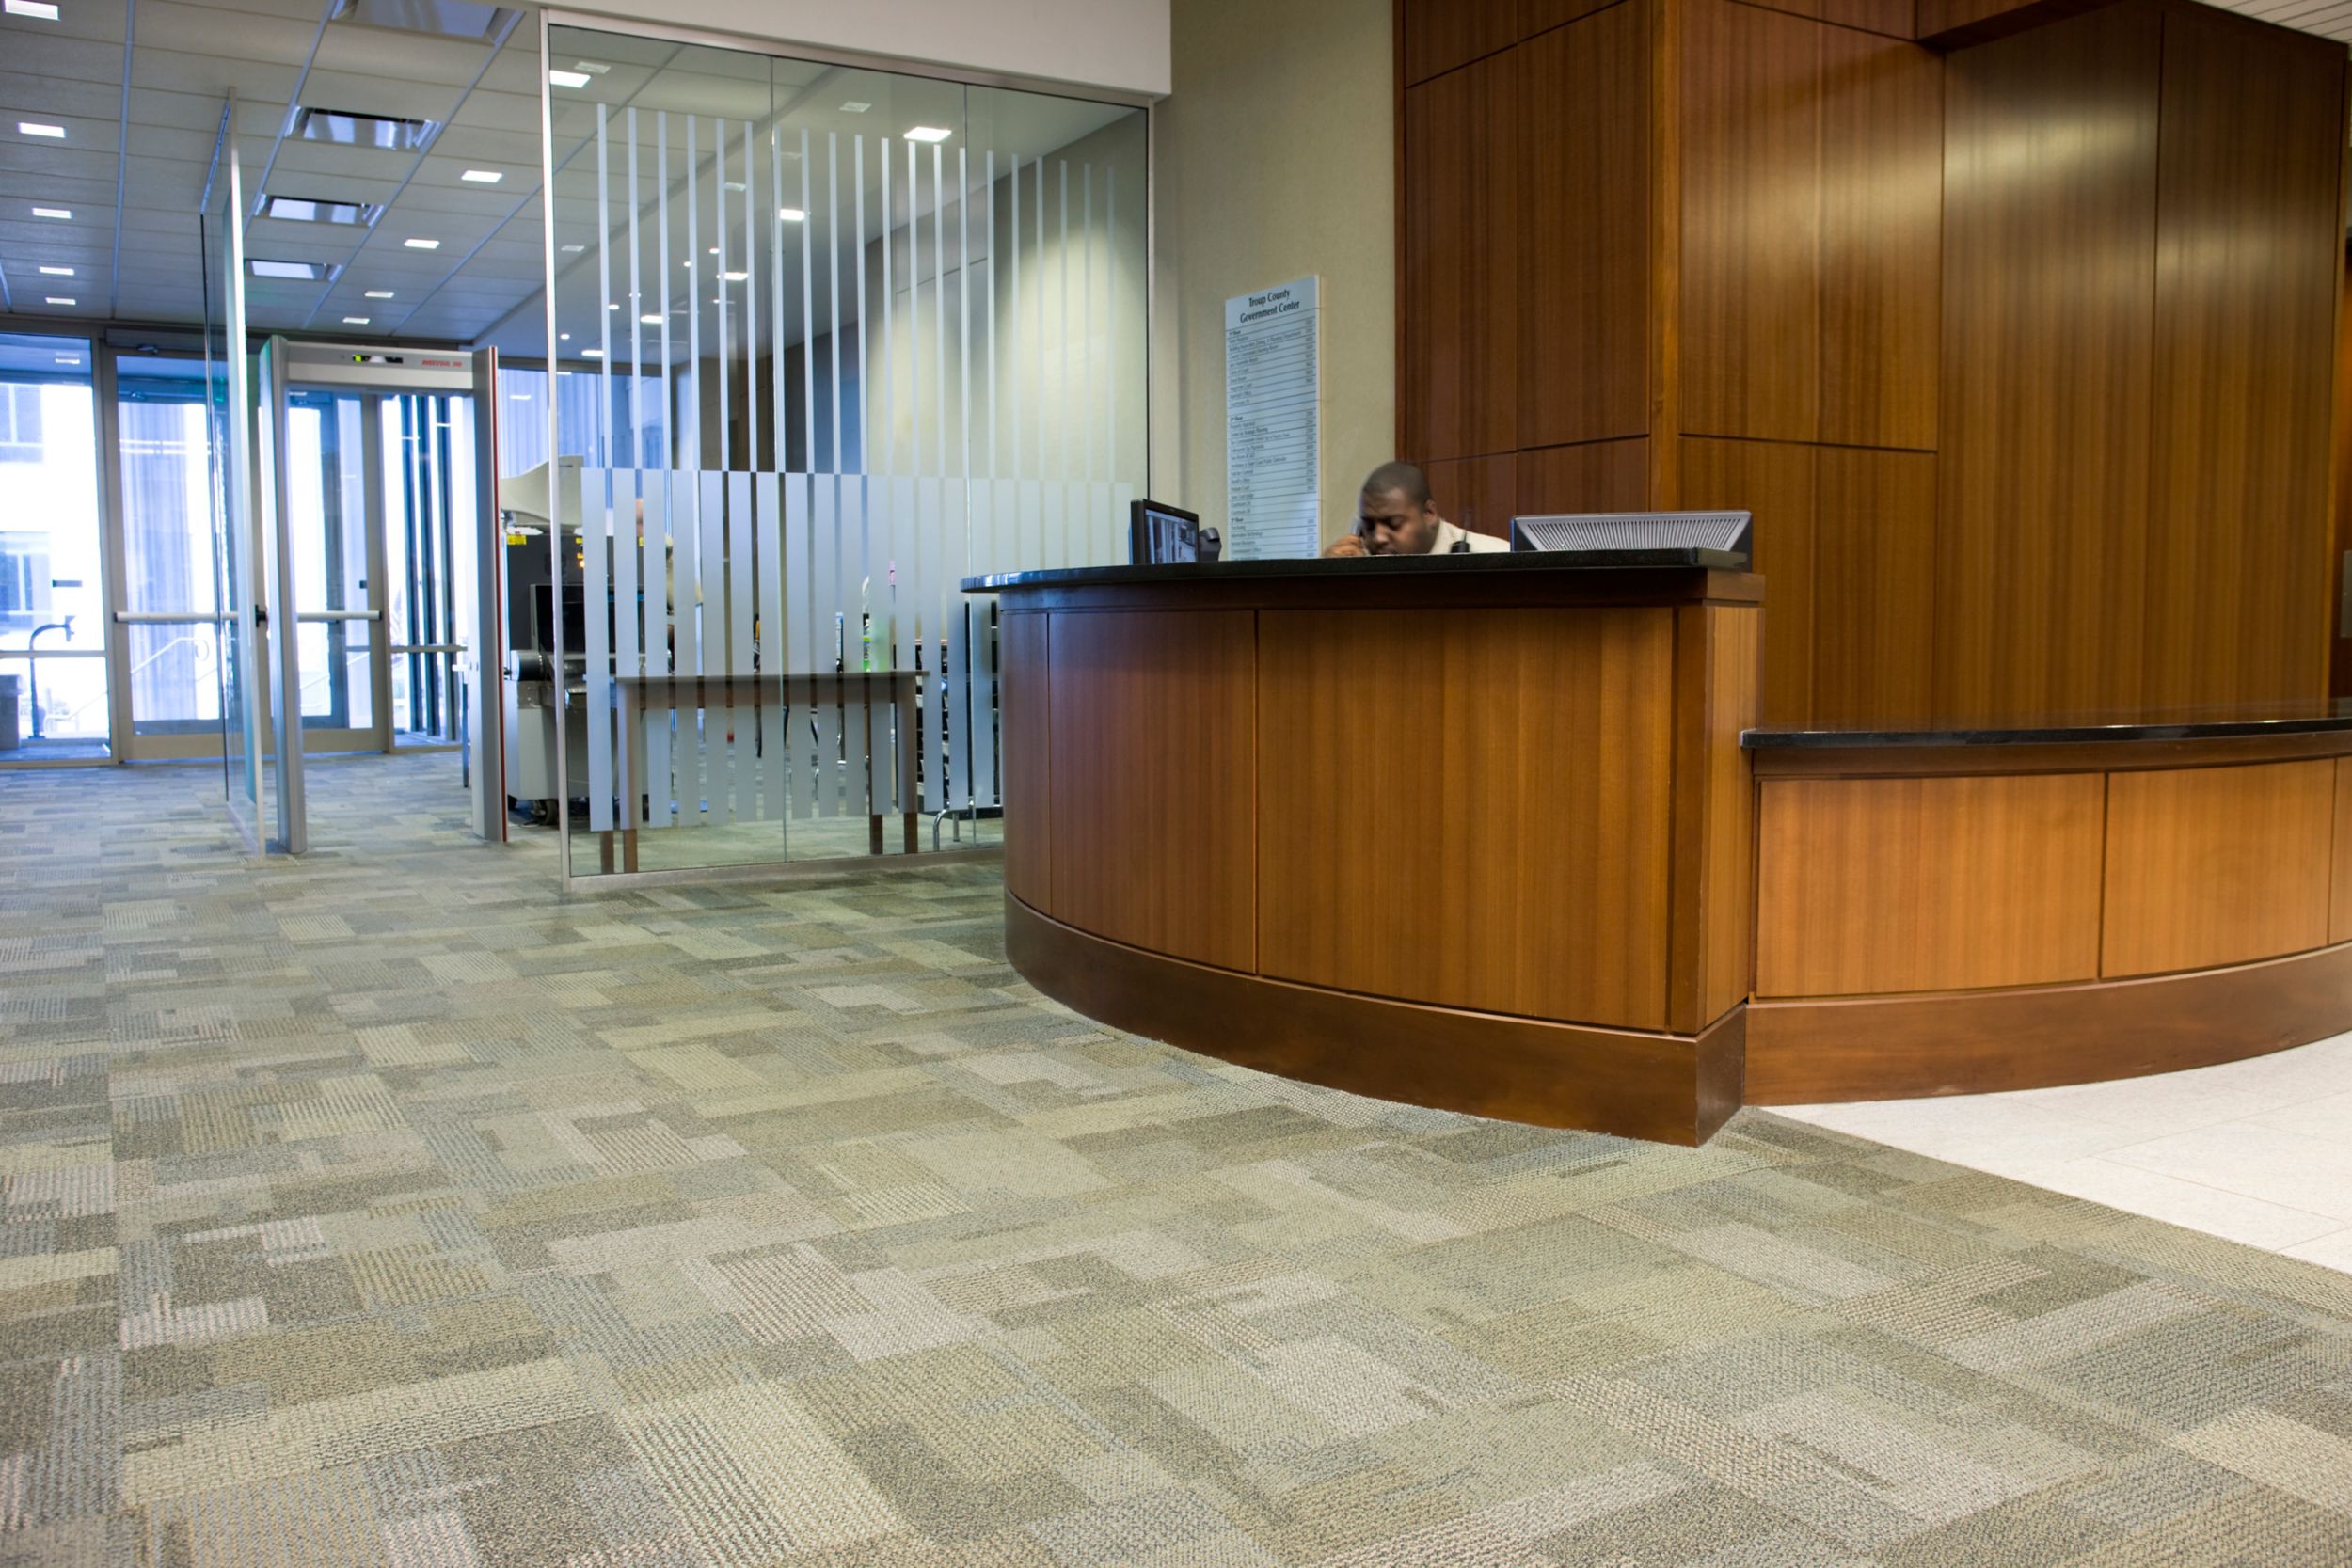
[518,397]
[53,212]
[650,321]
[714,250]
[299,209]
[599,67]
[307,271]
[736,277]
[423,244]
[484,175]
[574,249]
[33,7]
[347,129]
[790,215]
[564,337]
[355,320]
[568,78]
[379,293]
[458,19]
[854,107]
[34,128]
[613,307]
[56,272]
[59,299]
[928,133]
[593,352]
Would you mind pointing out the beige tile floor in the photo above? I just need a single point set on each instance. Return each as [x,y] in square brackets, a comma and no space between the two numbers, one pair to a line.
[2258,1151]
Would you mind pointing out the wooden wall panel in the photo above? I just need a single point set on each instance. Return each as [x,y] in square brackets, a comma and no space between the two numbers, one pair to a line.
[1882,239]
[2049,292]
[1774,480]
[2216,865]
[1026,758]
[1440,34]
[2249,219]
[2339,903]
[1751,262]
[1150,731]
[1463,183]
[1480,493]
[1584,255]
[1518,864]
[1726,854]
[1599,476]
[1873,589]
[1876,885]
[1892,18]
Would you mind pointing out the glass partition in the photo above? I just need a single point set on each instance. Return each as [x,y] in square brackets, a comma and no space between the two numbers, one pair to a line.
[853,337]
[229,379]
[52,620]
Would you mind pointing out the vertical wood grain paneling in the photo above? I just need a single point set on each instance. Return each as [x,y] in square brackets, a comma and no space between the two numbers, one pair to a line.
[1026,758]
[1536,16]
[1599,476]
[1150,732]
[1463,157]
[2049,291]
[1584,256]
[1727,855]
[2340,906]
[1880,885]
[1519,863]
[1750,261]
[2216,865]
[1873,589]
[1440,34]
[1774,480]
[1480,493]
[2249,220]
[1882,239]
[1892,18]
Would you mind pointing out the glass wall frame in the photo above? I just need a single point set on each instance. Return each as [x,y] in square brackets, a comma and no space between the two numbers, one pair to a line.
[885,355]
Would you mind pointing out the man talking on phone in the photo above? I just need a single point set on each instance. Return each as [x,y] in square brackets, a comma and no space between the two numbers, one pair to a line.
[1395,516]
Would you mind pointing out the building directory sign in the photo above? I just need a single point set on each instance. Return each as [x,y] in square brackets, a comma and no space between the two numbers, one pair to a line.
[1273,424]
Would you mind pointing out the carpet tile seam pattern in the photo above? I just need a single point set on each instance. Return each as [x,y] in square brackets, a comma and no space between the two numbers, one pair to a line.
[386,1206]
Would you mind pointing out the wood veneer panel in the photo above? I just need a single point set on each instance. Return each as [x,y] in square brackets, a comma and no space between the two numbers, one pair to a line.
[1882,239]
[1485,825]
[1891,18]
[1966,23]
[2049,293]
[1635,1084]
[2247,253]
[1984,1042]
[1875,885]
[1153,740]
[1598,476]
[1774,480]
[1536,16]
[1440,34]
[1584,256]
[1873,589]
[1751,262]
[1480,493]
[1023,695]
[1727,857]
[1463,179]
[2216,865]
[2339,903]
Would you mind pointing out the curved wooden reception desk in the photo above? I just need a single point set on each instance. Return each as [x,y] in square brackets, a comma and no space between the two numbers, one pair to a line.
[1972,911]
[1469,831]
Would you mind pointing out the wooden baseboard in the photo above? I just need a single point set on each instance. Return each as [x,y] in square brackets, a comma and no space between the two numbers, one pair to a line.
[1670,1088]
[1982,1042]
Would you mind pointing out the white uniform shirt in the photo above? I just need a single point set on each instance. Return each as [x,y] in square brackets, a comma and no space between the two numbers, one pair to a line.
[1480,543]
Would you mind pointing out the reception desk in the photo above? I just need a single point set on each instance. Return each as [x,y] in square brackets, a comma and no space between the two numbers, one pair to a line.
[1469,831]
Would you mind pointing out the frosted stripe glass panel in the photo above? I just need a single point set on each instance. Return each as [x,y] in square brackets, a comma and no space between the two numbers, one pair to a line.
[596,538]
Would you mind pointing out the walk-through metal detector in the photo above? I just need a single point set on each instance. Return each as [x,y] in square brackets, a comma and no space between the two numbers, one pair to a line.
[379,531]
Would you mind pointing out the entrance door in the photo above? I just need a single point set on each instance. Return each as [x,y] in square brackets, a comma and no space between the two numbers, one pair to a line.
[334,532]
[53,698]
[173,577]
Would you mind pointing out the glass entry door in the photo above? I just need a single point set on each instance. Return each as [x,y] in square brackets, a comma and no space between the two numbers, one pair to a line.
[335,555]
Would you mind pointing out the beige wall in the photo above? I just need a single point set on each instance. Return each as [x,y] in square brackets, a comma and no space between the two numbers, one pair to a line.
[1274,158]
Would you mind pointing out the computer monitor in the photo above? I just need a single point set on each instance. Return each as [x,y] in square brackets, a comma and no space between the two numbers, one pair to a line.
[1160,535]
[1718,539]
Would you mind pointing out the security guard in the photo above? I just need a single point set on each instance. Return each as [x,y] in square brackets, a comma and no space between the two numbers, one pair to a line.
[1395,516]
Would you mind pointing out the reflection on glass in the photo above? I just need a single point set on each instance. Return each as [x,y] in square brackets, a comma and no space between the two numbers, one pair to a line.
[51,593]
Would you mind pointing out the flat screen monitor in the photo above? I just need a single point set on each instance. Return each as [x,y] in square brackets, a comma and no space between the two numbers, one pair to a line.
[1161,536]
[1709,538]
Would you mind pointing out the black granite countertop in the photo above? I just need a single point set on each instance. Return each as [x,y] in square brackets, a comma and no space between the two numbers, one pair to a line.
[1376,565]
[2306,723]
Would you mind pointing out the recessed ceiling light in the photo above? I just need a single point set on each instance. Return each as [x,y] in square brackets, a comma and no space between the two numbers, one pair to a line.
[614,307]
[306,272]
[347,129]
[854,107]
[60,299]
[568,78]
[379,293]
[714,250]
[564,337]
[650,321]
[299,209]
[484,175]
[790,215]
[355,320]
[34,128]
[573,249]
[737,276]
[928,133]
[56,272]
[518,397]
[423,244]
[33,7]
[596,66]
[53,212]
[593,352]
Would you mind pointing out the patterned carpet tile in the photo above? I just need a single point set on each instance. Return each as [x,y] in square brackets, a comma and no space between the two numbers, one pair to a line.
[386,1208]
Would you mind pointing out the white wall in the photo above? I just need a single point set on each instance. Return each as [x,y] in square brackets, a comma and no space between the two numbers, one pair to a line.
[1120,44]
